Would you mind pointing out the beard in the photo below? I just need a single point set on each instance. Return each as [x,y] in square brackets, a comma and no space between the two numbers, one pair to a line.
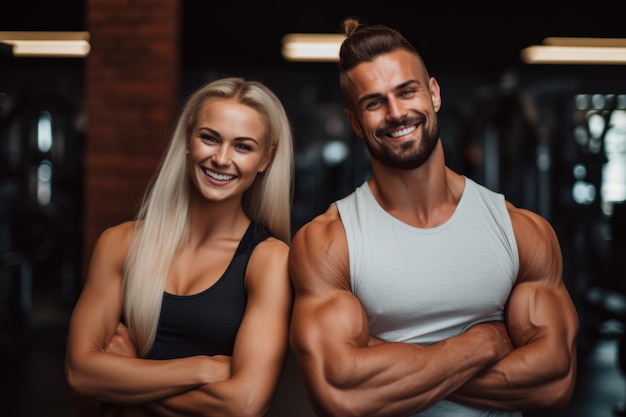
[409,156]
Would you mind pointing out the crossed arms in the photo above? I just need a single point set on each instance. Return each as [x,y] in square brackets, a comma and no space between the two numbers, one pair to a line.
[529,363]
[241,385]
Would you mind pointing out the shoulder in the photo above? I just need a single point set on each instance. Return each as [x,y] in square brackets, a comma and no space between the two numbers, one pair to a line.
[267,266]
[120,233]
[271,249]
[537,242]
[321,231]
[115,239]
[110,252]
[528,224]
[319,251]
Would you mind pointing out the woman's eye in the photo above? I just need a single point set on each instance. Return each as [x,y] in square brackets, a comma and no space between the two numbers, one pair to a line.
[244,147]
[208,138]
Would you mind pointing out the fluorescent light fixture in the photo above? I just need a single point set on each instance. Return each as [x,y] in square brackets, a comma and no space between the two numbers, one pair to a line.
[312,47]
[593,51]
[47,44]
[591,42]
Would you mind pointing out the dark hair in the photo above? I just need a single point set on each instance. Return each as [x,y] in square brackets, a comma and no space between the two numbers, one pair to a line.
[363,43]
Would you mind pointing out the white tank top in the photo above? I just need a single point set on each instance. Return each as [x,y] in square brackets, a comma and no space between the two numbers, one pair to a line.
[424,285]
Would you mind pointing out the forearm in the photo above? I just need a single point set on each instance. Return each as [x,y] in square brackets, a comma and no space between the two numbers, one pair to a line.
[527,379]
[541,372]
[196,402]
[234,397]
[398,378]
[123,380]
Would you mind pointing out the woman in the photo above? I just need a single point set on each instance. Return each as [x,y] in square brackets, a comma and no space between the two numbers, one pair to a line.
[200,278]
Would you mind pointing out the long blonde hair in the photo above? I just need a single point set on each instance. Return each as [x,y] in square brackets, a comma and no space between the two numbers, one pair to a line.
[162,221]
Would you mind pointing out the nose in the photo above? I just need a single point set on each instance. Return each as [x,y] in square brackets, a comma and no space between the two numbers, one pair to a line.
[395,109]
[222,156]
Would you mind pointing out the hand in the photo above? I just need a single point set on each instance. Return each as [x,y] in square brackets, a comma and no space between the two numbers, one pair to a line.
[220,368]
[373,341]
[121,343]
[496,336]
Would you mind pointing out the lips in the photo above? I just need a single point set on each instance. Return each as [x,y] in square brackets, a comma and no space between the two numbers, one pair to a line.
[402,132]
[216,176]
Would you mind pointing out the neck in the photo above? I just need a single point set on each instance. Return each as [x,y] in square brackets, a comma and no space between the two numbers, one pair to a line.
[424,196]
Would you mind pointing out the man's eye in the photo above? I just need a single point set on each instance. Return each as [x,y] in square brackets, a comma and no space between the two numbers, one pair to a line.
[373,104]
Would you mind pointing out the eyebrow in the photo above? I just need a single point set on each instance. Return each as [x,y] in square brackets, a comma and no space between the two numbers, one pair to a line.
[217,134]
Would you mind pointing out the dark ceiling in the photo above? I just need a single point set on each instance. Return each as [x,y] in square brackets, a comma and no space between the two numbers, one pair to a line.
[450,37]
[447,39]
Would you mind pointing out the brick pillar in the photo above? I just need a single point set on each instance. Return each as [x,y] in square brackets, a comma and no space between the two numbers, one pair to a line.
[132,92]
[132,99]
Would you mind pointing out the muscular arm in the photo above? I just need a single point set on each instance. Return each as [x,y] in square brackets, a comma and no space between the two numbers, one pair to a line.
[542,321]
[346,371]
[260,347]
[93,373]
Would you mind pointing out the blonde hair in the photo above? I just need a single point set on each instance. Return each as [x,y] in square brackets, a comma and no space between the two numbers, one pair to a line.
[162,221]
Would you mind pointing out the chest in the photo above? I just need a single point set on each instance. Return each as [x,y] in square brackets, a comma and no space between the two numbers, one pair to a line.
[427,286]
[206,322]
[194,270]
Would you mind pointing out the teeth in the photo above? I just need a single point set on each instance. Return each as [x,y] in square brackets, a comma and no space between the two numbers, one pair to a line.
[217,176]
[402,132]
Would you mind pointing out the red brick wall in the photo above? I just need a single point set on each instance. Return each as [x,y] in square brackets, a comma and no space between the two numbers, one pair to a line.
[132,91]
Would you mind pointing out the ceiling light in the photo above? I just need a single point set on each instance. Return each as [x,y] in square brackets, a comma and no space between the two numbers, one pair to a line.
[558,50]
[592,42]
[47,44]
[312,47]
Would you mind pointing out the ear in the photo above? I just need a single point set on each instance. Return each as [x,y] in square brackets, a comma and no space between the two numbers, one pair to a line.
[267,159]
[354,122]
[435,93]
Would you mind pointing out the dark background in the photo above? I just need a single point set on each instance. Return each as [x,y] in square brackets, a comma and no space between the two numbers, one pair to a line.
[500,119]
[470,36]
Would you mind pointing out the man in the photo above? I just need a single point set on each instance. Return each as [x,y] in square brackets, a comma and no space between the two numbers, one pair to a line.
[422,292]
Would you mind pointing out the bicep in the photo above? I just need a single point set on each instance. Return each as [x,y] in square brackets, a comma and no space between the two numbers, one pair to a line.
[261,341]
[325,332]
[536,311]
[540,307]
[328,320]
[98,308]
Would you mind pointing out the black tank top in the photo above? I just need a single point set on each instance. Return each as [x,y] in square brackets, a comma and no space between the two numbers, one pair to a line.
[207,323]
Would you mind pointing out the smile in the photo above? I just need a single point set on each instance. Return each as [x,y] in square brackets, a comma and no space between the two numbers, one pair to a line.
[216,176]
[402,132]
